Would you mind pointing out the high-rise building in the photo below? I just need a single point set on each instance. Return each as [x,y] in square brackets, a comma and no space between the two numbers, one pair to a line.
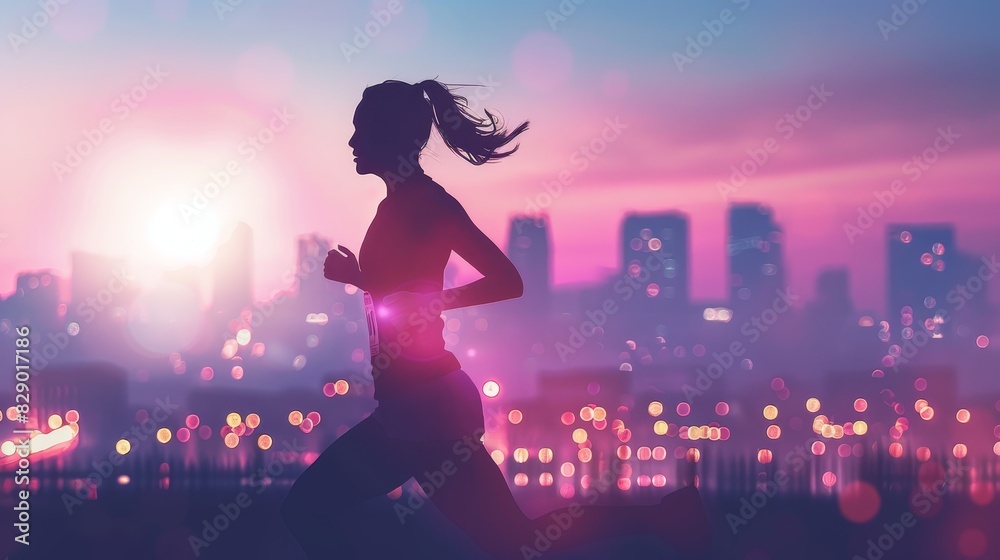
[309,259]
[833,290]
[754,249]
[102,292]
[529,248]
[923,261]
[655,257]
[35,302]
[232,274]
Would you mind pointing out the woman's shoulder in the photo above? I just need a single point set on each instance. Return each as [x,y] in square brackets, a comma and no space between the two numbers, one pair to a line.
[437,196]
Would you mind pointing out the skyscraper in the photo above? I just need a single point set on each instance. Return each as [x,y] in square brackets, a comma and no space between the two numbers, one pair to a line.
[528,247]
[756,262]
[232,274]
[922,266]
[655,256]
[35,302]
[309,259]
[101,295]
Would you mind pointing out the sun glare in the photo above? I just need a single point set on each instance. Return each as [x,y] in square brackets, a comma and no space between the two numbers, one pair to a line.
[178,240]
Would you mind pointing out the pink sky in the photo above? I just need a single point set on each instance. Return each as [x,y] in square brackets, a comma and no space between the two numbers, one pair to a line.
[683,133]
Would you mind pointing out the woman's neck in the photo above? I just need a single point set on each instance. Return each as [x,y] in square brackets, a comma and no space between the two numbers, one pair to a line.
[395,182]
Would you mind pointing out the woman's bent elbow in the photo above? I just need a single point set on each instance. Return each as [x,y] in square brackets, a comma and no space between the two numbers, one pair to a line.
[516,287]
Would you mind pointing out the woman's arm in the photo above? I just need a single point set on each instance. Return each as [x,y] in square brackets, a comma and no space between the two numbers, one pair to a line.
[500,281]
[342,266]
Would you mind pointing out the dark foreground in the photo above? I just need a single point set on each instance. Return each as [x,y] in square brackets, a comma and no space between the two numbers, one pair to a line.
[158,525]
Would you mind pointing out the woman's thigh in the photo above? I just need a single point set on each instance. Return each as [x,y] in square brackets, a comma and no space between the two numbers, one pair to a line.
[361,464]
[471,491]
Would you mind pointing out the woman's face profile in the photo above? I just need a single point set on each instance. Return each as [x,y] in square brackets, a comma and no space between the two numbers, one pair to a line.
[391,126]
[364,144]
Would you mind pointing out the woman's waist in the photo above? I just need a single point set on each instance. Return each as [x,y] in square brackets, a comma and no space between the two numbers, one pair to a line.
[442,389]
[408,377]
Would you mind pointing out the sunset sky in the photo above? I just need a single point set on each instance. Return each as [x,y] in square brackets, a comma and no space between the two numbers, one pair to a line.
[198,81]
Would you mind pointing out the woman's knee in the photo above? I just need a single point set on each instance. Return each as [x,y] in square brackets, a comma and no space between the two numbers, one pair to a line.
[303,501]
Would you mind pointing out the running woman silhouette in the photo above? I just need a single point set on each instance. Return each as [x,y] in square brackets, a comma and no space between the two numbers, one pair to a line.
[429,418]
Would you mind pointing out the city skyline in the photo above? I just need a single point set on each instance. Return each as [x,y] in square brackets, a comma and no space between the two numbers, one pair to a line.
[521,224]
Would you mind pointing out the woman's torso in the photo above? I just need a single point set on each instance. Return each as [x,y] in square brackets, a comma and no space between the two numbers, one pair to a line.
[406,248]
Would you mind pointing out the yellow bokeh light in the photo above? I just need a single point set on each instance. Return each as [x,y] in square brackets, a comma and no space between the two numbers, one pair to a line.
[233,419]
[163,435]
[655,408]
[579,435]
[770,412]
[243,337]
[55,421]
[860,427]
[813,404]
[660,427]
[123,446]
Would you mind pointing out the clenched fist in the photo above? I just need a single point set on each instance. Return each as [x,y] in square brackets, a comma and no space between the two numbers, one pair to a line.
[342,266]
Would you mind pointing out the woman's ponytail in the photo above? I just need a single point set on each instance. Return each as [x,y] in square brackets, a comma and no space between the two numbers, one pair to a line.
[475,139]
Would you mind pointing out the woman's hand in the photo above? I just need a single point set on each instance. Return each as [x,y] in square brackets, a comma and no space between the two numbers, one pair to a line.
[342,267]
[398,307]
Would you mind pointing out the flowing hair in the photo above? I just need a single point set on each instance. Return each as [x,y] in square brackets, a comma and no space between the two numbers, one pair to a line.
[475,139]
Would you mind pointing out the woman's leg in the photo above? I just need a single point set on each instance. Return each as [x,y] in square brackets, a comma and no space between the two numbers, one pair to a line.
[363,463]
[475,496]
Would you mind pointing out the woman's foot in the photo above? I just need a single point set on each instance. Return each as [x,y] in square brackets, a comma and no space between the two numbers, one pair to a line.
[684,522]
